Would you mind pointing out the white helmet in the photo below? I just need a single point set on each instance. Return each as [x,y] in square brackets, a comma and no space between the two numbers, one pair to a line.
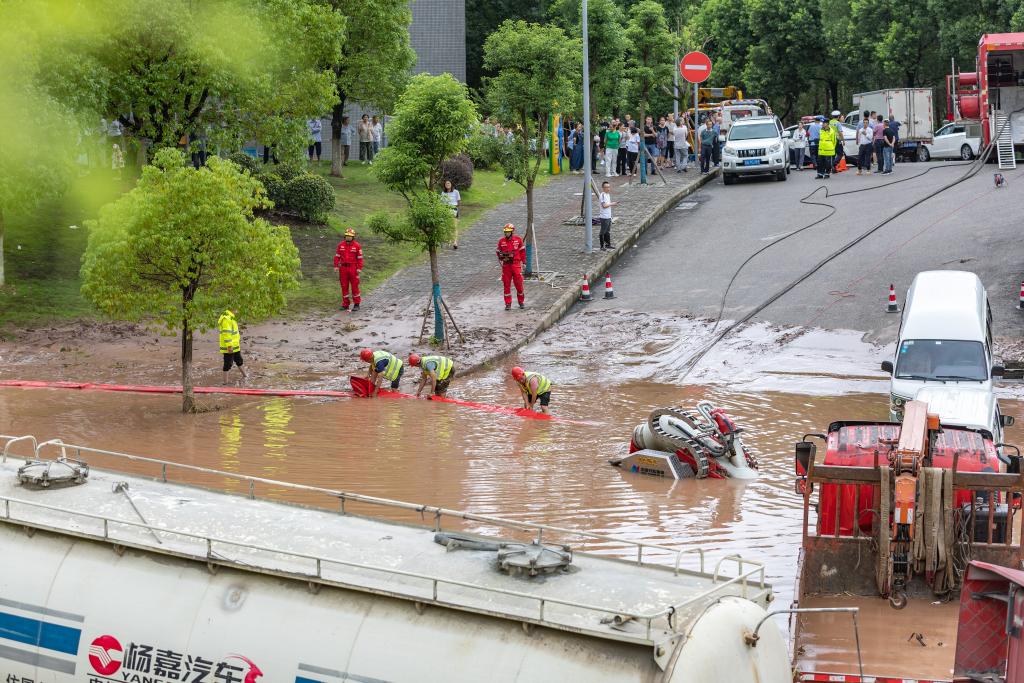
[835,113]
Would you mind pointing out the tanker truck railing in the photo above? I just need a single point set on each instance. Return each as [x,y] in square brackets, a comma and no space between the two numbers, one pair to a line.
[749,575]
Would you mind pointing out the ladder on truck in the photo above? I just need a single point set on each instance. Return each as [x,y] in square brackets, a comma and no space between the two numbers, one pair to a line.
[1004,142]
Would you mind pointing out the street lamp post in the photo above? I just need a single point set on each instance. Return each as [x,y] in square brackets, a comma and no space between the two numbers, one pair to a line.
[588,210]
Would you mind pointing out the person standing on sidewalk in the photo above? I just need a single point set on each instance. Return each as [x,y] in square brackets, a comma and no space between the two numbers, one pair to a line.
[438,370]
[348,263]
[799,146]
[365,132]
[605,200]
[865,144]
[612,140]
[708,136]
[534,387]
[230,343]
[451,197]
[632,150]
[511,255]
[681,148]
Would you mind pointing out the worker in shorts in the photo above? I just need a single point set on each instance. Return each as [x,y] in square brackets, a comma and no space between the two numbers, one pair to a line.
[230,343]
[438,370]
[384,365]
[535,388]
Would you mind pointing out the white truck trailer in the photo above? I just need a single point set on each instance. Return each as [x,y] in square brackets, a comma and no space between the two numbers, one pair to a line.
[107,577]
[913,108]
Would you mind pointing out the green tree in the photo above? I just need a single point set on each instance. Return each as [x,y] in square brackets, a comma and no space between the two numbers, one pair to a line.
[183,246]
[376,57]
[775,66]
[226,70]
[900,38]
[607,48]
[433,120]
[538,70]
[483,17]
[649,61]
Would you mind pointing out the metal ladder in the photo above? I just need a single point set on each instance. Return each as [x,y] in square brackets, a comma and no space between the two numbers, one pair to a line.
[1004,143]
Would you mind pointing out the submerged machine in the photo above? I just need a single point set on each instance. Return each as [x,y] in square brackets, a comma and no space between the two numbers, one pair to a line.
[148,577]
[892,516]
[679,444]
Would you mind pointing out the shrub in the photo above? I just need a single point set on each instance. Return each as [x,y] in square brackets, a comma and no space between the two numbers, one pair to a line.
[246,162]
[459,170]
[310,196]
[274,187]
[289,171]
[484,151]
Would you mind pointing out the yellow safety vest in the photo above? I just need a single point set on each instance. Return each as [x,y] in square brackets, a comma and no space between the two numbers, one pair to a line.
[394,365]
[443,368]
[543,383]
[230,339]
[827,143]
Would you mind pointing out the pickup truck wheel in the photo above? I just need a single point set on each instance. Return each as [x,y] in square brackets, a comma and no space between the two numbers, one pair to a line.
[966,153]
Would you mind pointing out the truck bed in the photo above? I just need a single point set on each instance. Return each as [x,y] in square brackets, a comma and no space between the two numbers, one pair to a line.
[824,643]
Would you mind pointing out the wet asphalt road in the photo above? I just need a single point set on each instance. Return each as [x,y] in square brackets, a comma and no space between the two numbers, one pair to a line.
[684,263]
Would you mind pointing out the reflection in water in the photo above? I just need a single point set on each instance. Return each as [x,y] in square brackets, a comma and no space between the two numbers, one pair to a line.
[277,415]
[230,440]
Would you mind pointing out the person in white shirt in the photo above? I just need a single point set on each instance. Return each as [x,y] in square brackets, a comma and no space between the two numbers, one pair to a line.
[799,146]
[605,200]
[681,146]
[378,135]
[865,145]
[451,197]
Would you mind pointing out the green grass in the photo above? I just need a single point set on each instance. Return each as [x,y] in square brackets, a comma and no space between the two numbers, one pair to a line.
[43,252]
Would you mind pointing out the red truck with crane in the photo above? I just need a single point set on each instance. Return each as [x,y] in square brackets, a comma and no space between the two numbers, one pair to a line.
[993,94]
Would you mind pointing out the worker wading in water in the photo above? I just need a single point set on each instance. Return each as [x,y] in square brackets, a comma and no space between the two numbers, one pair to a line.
[534,387]
[230,343]
[348,263]
[383,366]
[511,255]
[438,370]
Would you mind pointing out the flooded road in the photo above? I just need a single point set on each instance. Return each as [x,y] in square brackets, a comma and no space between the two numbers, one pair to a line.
[547,472]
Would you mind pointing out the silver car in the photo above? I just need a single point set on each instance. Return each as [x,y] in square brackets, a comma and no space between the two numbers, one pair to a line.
[755,146]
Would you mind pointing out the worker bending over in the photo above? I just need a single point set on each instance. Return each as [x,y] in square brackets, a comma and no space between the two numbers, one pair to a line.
[384,365]
[438,370]
[534,387]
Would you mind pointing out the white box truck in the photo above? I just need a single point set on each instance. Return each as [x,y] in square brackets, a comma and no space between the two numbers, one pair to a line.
[911,107]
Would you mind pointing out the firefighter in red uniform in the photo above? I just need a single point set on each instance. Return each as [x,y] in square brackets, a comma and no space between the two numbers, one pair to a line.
[511,255]
[348,262]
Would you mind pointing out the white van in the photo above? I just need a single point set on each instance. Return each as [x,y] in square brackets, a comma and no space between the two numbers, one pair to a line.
[945,338]
[966,407]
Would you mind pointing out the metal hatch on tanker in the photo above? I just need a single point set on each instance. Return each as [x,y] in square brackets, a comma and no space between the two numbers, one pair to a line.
[127,578]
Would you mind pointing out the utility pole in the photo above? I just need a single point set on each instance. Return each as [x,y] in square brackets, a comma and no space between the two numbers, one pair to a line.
[588,209]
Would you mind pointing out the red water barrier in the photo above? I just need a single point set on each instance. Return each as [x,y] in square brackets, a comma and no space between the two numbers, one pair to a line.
[360,388]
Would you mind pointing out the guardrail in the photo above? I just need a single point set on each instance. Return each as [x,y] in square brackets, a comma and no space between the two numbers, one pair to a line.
[721,583]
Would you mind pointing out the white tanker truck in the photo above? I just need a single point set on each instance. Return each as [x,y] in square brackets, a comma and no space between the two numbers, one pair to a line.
[107,578]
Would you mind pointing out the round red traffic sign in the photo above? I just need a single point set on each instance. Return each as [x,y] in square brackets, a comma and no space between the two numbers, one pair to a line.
[695,67]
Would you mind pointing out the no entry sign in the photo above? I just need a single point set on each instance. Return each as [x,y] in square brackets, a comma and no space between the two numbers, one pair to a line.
[695,67]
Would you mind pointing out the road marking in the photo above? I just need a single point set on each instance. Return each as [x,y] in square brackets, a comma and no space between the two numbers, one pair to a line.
[769,238]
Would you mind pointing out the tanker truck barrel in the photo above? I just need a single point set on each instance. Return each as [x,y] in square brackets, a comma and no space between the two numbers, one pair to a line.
[245,588]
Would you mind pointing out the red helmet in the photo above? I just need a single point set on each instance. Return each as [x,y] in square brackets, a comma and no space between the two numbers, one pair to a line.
[414,359]
[366,355]
[518,373]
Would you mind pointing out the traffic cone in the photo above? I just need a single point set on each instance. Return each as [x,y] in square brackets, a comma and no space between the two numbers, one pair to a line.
[841,166]
[609,291]
[892,307]
[585,291]
[1020,303]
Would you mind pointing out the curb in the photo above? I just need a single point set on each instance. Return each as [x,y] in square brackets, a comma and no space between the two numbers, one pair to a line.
[569,298]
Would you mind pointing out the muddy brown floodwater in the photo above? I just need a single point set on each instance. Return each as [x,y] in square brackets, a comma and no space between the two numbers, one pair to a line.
[548,472]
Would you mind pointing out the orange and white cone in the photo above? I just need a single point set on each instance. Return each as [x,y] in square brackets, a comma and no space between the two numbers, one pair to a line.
[585,291]
[893,307]
[609,291]
[1020,303]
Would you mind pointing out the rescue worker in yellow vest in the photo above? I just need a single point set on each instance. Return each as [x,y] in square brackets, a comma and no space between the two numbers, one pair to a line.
[230,342]
[534,387]
[384,365]
[438,370]
[826,150]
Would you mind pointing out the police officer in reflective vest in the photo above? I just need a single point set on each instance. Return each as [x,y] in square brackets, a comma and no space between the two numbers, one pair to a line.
[438,370]
[348,262]
[230,342]
[511,255]
[534,387]
[384,365]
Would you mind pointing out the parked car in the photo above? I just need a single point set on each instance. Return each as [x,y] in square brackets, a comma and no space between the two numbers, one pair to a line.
[849,145]
[957,140]
[754,146]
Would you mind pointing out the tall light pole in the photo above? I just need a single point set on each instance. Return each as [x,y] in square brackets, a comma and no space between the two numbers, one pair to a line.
[588,209]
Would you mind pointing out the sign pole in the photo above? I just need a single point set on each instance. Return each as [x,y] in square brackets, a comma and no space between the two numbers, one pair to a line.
[696,127]
[588,209]
[695,67]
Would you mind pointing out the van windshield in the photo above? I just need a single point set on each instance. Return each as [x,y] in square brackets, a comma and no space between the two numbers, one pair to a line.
[941,359]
